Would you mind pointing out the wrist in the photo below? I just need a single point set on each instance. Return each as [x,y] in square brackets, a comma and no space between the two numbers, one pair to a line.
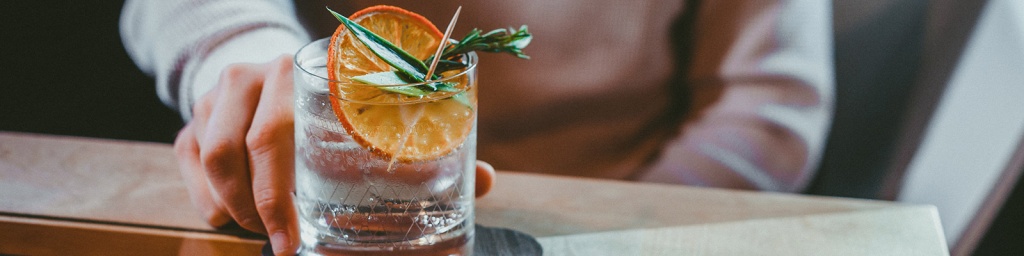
[255,46]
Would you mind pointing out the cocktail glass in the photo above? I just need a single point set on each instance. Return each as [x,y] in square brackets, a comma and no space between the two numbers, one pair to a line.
[355,199]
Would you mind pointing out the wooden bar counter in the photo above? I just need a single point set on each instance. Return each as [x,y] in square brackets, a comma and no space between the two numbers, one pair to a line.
[82,196]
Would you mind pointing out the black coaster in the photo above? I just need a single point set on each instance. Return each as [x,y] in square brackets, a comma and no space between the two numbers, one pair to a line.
[502,241]
[489,242]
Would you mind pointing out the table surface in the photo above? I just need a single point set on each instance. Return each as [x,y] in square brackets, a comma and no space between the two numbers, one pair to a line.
[87,196]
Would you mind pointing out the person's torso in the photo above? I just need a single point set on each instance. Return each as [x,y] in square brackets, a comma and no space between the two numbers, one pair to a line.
[590,100]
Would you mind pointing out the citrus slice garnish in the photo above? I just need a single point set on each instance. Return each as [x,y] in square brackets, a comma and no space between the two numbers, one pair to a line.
[392,125]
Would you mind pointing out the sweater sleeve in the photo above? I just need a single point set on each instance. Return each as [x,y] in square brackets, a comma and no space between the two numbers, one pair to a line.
[762,88]
[185,43]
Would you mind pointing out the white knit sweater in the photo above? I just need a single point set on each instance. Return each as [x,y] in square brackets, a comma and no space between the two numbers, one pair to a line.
[594,98]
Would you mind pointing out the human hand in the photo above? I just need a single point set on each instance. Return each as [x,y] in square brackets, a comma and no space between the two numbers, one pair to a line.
[237,153]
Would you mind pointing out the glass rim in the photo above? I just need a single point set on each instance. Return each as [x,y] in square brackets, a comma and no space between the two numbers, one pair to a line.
[471,60]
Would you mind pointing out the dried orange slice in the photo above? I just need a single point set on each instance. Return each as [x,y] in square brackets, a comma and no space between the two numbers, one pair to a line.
[392,125]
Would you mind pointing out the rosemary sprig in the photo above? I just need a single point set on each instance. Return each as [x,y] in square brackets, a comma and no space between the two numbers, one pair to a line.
[499,40]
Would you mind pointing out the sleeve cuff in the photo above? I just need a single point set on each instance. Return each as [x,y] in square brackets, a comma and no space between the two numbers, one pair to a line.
[256,46]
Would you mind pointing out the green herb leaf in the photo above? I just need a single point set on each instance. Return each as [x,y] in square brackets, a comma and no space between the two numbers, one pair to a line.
[394,56]
[390,78]
[462,98]
[499,40]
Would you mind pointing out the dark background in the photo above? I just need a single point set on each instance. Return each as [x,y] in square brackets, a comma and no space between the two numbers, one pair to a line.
[65,71]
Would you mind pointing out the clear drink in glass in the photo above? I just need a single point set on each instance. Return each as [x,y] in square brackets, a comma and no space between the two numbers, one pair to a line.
[354,200]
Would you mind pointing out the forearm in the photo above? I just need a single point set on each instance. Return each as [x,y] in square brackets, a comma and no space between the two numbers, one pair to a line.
[184,44]
[762,84]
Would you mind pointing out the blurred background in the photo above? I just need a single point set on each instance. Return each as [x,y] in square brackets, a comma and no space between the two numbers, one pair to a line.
[65,72]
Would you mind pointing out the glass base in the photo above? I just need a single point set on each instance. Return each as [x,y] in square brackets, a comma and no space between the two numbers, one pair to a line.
[484,241]
[458,246]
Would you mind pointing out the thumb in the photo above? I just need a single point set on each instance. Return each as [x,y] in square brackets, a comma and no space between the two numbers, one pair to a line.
[485,178]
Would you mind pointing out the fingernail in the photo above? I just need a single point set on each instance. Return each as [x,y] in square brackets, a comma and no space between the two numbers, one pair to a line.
[280,242]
